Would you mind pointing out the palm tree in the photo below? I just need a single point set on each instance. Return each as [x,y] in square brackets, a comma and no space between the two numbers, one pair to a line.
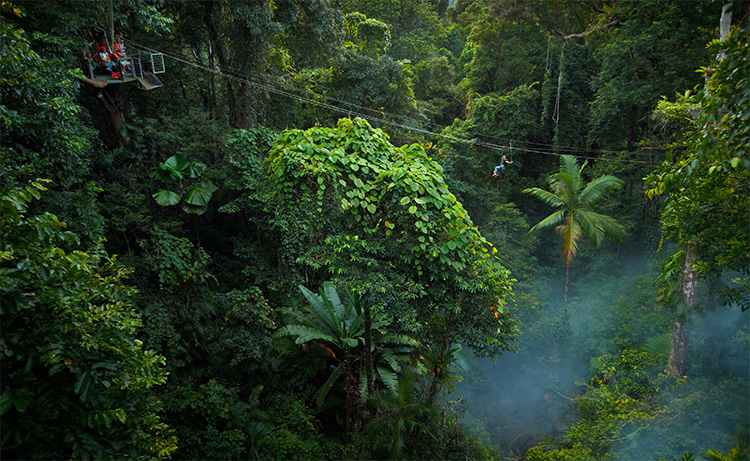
[340,329]
[403,425]
[575,198]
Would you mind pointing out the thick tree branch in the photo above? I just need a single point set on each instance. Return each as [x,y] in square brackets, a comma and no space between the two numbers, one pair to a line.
[609,25]
[115,113]
[100,84]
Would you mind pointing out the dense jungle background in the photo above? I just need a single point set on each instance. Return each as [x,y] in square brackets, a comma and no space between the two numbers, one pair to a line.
[296,244]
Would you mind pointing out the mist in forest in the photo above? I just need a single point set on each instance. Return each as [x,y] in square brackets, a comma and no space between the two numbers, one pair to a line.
[519,401]
[526,398]
[718,372]
[523,398]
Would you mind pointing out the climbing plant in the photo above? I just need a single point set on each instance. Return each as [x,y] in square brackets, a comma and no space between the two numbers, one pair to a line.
[350,204]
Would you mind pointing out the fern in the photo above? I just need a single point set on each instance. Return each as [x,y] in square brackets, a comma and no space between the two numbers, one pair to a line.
[658,345]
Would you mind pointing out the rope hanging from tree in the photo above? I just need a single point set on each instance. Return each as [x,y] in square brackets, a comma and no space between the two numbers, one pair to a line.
[556,113]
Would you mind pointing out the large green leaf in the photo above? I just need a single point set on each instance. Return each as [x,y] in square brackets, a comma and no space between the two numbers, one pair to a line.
[350,341]
[323,315]
[201,193]
[176,164]
[303,333]
[170,170]
[166,197]
[390,379]
[193,209]
[333,297]
[177,167]
[82,384]
[194,169]
[163,174]
[323,391]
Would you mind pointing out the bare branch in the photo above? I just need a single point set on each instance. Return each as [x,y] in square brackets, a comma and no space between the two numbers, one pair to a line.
[588,32]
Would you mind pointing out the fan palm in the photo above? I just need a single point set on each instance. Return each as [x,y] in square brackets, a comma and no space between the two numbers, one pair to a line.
[575,199]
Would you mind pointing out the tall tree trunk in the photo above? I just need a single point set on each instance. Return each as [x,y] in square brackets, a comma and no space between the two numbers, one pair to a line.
[368,351]
[678,350]
[725,25]
[688,288]
[116,116]
[228,59]
[688,276]
[357,413]
[441,362]
[214,51]
[212,83]
[437,374]
[567,278]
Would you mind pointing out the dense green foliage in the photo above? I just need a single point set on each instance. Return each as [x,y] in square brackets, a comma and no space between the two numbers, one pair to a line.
[346,148]
[76,381]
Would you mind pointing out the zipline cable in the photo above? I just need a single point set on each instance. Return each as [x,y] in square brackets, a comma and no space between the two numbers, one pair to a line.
[272,89]
[248,78]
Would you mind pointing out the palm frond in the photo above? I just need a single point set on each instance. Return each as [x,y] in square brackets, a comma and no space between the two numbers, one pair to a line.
[563,184]
[579,175]
[608,225]
[390,379]
[392,359]
[658,345]
[547,197]
[597,188]
[569,165]
[303,333]
[590,227]
[613,229]
[570,231]
[326,387]
[550,221]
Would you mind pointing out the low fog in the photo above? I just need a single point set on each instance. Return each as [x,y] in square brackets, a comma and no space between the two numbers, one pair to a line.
[527,398]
